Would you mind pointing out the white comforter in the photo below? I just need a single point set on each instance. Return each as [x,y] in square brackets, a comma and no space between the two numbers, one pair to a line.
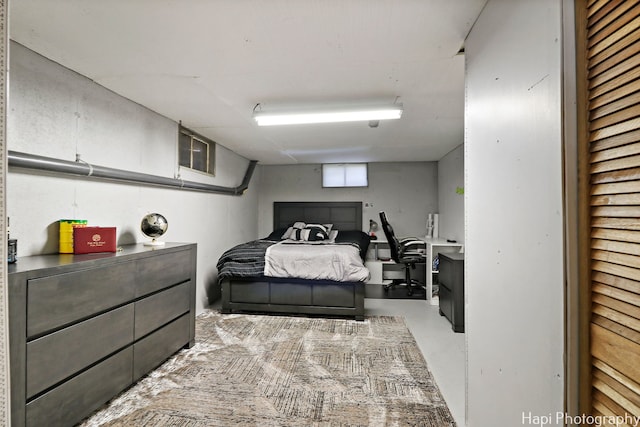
[338,262]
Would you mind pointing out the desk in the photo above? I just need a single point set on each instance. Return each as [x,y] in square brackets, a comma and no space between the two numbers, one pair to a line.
[376,247]
[375,264]
[435,246]
[383,269]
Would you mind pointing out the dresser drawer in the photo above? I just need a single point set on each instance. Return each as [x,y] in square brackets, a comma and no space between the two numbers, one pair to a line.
[77,321]
[56,356]
[75,399]
[59,300]
[158,309]
[159,272]
[444,300]
[154,349]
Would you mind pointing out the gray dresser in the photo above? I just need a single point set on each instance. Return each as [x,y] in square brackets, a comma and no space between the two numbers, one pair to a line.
[85,327]
[451,297]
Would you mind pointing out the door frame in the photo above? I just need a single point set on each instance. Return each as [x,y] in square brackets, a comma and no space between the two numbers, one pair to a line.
[577,211]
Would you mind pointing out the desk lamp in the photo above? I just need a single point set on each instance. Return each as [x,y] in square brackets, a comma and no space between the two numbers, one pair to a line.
[373,226]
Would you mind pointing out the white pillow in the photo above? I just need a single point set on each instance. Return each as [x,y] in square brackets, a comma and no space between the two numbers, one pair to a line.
[311,233]
[325,227]
[296,225]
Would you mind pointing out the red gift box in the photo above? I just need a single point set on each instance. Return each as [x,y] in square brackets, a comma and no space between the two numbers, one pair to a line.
[94,239]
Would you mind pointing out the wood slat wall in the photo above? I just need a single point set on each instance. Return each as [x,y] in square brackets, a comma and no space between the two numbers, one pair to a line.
[613,73]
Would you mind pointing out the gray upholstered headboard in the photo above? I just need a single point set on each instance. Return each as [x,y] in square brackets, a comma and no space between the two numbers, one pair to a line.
[343,215]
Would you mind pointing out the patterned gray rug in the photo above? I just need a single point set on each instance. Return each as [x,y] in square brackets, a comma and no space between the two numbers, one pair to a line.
[286,371]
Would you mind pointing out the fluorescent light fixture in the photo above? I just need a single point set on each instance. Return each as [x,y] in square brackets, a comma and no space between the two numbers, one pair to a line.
[369,113]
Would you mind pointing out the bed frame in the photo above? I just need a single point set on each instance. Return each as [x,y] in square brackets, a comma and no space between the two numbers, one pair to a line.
[301,296]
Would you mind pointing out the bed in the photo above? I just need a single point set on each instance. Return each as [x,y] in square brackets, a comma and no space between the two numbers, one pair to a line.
[246,288]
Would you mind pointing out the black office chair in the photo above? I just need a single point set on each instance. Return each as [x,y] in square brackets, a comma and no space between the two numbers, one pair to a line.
[403,252]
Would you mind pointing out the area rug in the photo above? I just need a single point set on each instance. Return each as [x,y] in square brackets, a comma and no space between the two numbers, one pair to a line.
[259,370]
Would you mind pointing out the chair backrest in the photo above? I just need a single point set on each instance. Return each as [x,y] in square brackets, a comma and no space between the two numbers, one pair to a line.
[394,244]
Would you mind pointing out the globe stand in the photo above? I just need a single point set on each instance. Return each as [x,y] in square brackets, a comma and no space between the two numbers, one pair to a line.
[154,242]
[153,225]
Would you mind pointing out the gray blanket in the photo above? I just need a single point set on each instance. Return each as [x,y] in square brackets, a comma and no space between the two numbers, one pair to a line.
[244,260]
[326,261]
[249,260]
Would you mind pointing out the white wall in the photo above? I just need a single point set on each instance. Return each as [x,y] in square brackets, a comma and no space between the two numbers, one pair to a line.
[407,192]
[450,199]
[513,200]
[55,112]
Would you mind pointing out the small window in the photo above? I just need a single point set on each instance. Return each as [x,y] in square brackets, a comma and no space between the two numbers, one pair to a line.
[345,175]
[196,152]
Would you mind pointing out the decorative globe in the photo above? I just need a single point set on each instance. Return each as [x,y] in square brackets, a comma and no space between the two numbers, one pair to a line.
[154,225]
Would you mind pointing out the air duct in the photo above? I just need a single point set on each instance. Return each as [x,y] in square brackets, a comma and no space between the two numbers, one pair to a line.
[83,169]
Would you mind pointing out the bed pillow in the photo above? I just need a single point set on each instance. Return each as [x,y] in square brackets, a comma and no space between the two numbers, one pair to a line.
[310,233]
[325,227]
[328,227]
[276,234]
[358,237]
[296,226]
[287,233]
[299,225]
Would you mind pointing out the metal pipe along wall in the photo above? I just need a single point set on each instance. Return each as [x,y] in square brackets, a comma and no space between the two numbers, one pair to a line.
[81,168]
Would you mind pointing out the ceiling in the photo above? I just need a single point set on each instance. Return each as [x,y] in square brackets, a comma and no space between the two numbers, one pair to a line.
[208,63]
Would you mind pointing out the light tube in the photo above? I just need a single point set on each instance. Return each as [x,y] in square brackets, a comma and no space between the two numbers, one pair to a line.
[333,116]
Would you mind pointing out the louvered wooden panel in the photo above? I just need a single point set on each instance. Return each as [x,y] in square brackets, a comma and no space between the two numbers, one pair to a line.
[616,269]
[616,153]
[618,30]
[611,11]
[613,246]
[615,392]
[608,98]
[612,118]
[631,385]
[617,328]
[616,258]
[613,93]
[613,107]
[617,164]
[616,65]
[616,281]
[616,352]
[616,386]
[618,223]
[618,46]
[616,211]
[622,77]
[616,129]
[615,307]
[615,141]
[593,6]
[615,199]
[615,187]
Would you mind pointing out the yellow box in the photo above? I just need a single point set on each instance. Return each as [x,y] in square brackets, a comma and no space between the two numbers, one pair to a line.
[66,233]
[66,247]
